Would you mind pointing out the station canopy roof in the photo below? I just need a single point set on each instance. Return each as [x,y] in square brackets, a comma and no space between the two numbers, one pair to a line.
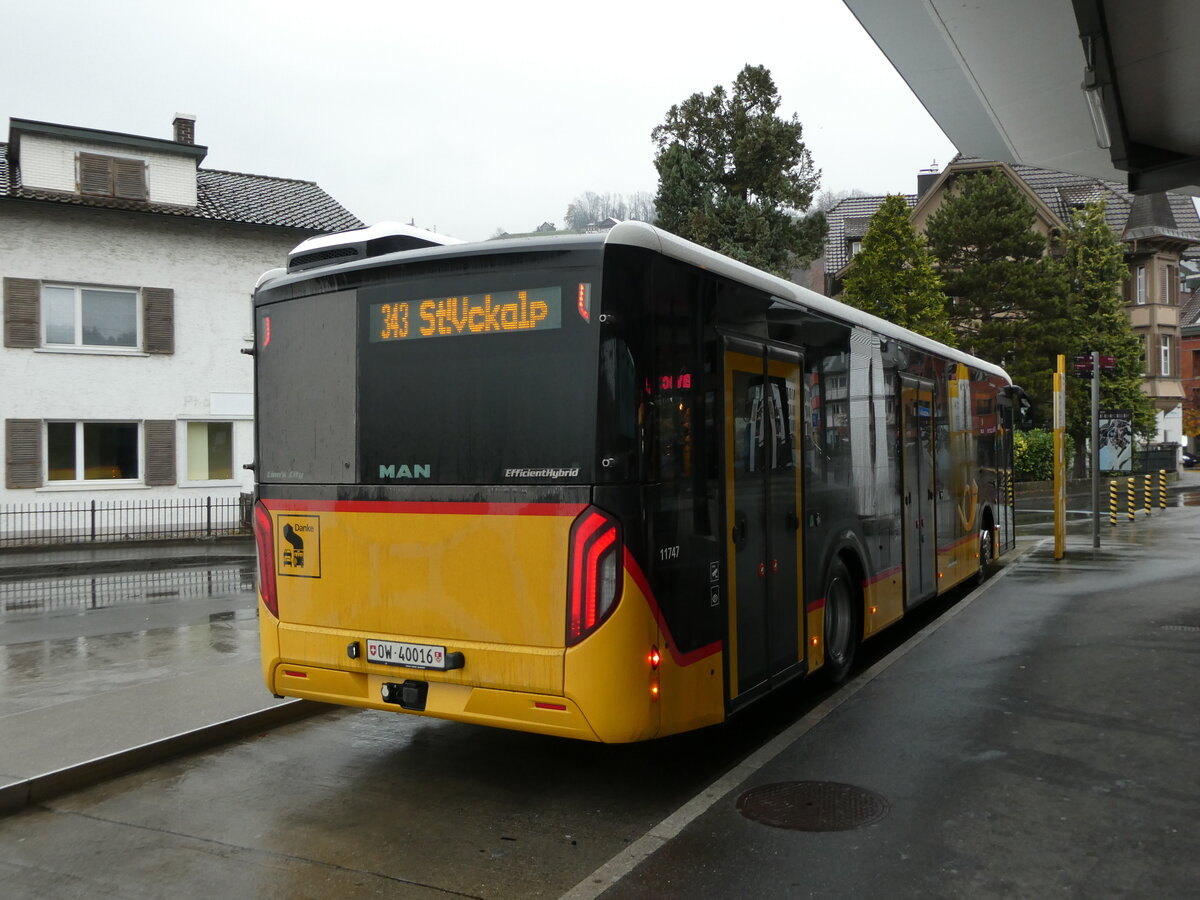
[1108,88]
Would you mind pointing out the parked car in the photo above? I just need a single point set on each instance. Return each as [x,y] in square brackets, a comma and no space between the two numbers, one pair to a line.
[1190,459]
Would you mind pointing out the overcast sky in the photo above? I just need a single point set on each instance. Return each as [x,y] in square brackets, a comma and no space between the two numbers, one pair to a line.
[465,116]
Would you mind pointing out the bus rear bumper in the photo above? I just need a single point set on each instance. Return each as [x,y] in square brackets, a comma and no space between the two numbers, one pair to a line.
[516,710]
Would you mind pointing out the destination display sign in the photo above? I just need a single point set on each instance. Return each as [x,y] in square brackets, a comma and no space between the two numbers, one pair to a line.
[496,312]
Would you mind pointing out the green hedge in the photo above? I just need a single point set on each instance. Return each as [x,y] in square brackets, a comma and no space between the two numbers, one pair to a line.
[1033,453]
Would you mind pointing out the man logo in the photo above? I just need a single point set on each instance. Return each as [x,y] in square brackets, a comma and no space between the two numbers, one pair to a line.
[394,472]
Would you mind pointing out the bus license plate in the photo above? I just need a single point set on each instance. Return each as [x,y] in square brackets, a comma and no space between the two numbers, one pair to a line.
[413,656]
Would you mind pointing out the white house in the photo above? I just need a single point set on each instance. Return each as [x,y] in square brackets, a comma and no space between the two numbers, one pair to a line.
[127,273]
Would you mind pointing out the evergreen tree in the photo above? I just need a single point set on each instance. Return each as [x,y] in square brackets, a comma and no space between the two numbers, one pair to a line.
[734,177]
[1008,301]
[1094,265]
[892,276]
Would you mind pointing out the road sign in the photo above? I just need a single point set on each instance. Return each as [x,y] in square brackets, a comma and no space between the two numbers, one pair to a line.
[1082,365]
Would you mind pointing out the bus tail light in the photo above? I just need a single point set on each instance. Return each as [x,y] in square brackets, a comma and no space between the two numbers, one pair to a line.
[594,572]
[264,539]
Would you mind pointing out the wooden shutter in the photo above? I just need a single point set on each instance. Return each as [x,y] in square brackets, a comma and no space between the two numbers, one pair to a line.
[130,178]
[22,312]
[158,321]
[22,453]
[160,451]
[95,174]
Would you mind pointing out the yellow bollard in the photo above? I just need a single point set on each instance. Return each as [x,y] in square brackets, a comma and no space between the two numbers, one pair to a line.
[1146,492]
[1112,504]
[1162,488]
[1130,498]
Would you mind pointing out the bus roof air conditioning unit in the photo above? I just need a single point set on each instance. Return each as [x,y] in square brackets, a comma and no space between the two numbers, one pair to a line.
[363,243]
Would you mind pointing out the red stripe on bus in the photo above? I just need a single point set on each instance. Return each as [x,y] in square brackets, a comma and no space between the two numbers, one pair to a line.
[887,573]
[427,507]
[958,543]
[815,605]
[681,659]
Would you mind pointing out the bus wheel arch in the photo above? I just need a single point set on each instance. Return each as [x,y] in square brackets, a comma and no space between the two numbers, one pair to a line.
[842,589]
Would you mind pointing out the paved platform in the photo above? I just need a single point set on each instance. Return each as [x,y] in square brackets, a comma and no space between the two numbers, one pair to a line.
[128,555]
[1038,740]
[108,648]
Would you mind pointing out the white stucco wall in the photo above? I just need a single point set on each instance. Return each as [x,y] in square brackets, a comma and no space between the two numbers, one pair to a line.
[1170,426]
[49,163]
[212,269]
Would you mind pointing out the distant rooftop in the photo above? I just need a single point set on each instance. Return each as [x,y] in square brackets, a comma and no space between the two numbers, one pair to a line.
[220,196]
[1130,217]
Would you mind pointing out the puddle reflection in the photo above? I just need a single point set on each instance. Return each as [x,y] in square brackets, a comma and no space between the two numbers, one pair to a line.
[85,592]
[46,672]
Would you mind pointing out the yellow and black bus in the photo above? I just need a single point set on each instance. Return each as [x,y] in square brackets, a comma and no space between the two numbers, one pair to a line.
[609,486]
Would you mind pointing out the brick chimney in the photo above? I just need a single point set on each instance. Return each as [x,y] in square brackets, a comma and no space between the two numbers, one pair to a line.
[185,128]
[926,178]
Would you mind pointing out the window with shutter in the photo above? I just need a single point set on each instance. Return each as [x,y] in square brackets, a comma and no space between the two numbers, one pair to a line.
[158,325]
[130,179]
[22,304]
[110,176]
[95,174]
[82,316]
[160,451]
[23,453]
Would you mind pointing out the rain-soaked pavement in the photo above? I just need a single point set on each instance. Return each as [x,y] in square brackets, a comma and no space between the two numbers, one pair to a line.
[68,638]
[92,664]
[1036,739]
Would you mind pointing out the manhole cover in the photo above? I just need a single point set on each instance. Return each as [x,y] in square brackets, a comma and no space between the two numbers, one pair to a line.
[813,805]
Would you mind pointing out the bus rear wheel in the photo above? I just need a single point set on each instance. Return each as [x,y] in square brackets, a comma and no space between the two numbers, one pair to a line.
[841,622]
[985,552]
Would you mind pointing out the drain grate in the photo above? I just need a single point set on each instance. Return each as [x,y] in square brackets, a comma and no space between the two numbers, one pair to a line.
[813,806]
[1188,628]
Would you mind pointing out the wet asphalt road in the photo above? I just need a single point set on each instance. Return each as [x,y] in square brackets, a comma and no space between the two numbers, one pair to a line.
[1039,741]
[351,803]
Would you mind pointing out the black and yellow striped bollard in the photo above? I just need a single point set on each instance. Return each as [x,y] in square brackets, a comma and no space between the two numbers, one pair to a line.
[1130,498]
[1112,504]
[1146,492]
[1162,488]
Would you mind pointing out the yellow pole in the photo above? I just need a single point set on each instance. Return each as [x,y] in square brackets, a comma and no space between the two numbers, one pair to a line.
[1060,458]
[1112,504]
[1162,488]
[1130,498]
[1146,492]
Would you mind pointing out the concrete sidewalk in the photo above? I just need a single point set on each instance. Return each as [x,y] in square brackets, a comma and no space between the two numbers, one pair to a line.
[110,648]
[1039,739]
[52,559]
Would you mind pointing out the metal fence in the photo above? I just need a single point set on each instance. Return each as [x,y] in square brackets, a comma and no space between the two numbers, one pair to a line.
[98,521]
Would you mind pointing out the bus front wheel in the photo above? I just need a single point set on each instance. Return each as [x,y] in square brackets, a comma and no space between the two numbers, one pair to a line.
[841,621]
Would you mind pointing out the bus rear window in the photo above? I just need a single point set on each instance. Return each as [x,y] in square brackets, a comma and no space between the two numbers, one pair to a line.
[479,377]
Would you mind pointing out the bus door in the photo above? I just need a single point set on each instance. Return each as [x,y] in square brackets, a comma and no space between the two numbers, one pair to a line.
[763,514]
[920,545]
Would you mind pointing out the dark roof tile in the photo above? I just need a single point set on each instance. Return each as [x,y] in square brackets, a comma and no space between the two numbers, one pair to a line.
[847,221]
[1061,192]
[220,196]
